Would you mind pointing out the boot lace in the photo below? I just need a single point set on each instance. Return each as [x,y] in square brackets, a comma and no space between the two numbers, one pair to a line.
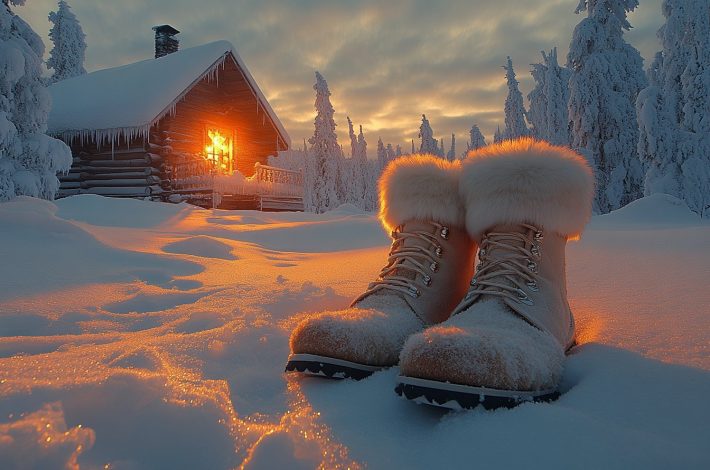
[508,266]
[422,260]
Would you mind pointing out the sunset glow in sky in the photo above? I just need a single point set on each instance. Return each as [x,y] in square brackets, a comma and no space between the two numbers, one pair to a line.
[386,62]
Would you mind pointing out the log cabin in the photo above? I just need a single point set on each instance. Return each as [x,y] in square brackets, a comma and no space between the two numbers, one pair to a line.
[167,128]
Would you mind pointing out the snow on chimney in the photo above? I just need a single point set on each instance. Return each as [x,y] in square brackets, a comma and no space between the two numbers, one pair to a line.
[165,43]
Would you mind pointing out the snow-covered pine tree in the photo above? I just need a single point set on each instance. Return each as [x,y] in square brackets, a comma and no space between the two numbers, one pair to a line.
[428,144]
[606,78]
[324,150]
[548,114]
[29,159]
[674,129]
[451,156]
[67,55]
[389,151]
[497,136]
[371,174]
[358,170]
[515,125]
[477,139]
[381,154]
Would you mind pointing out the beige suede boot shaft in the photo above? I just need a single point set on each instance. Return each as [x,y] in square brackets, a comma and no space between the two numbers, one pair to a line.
[425,275]
[523,199]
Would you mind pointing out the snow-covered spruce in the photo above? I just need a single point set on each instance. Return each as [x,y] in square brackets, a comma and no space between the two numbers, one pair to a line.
[67,56]
[428,145]
[325,151]
[507,338]
[425,276]
[451,155]
[606,78]
[477,140]
[674,129]
[515,125]
[29,159]
[548,114]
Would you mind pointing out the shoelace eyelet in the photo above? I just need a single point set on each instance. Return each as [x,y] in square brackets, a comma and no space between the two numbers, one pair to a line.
[533,286]
[445,233]
[427,281]
[439,251]
[538,236]
[434,267]
[414,292]
[523,298]
[532,266]
[535,250]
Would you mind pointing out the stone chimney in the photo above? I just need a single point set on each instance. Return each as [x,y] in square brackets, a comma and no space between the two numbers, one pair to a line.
[165,43]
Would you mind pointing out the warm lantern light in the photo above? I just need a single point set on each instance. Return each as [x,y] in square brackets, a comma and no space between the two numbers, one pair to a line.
[220,151]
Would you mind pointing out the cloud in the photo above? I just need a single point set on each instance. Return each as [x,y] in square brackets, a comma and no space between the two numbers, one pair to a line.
[386,62]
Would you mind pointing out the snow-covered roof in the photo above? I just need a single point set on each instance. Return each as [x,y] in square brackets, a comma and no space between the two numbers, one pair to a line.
[127,100]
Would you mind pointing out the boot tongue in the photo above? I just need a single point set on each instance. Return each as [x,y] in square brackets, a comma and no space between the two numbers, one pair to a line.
[502,252]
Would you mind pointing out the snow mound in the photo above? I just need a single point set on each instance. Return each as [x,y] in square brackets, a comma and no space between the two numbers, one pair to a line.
[115,212]
[346,209]
[657,210]
[205,247]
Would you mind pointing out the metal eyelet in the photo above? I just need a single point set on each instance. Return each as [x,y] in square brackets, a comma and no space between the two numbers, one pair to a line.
[532,266]
[434,267]
[445,233]
[533,286]
[539,236]
[439,251]
[427,280]
[414,292]
[481,253]
[523,298]
[535,250]
[474,281]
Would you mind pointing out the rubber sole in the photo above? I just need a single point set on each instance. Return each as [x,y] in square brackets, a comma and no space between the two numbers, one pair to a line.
[465,397]
[329,367]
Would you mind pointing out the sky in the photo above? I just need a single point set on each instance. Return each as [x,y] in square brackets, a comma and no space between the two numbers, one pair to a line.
[386,61]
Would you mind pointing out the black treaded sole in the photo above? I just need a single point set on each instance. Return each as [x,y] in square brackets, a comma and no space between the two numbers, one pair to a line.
[459,400]
[327,370]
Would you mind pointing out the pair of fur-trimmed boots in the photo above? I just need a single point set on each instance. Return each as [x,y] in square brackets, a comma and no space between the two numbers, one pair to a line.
[495,337]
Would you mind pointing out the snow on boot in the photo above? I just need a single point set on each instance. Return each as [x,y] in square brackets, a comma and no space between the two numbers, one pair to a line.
[505,343]
[425,277]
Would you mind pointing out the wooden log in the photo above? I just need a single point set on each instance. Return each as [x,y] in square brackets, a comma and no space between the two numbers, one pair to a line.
[69,177]
[137,162]
[121,151]
[95,171]
[117,183]
[138,175]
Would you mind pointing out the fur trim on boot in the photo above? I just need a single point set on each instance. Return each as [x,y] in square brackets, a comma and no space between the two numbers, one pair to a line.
[526,181]
[421,187]
[505,342]
[425,276]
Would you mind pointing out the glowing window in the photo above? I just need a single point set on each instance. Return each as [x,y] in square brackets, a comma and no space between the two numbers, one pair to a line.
[219,150]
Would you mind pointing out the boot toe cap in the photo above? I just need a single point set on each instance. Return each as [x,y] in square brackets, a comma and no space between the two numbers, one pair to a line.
[365,336]
[523,358]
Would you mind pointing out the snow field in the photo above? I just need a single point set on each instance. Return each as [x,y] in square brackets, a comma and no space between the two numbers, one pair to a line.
[148,335]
